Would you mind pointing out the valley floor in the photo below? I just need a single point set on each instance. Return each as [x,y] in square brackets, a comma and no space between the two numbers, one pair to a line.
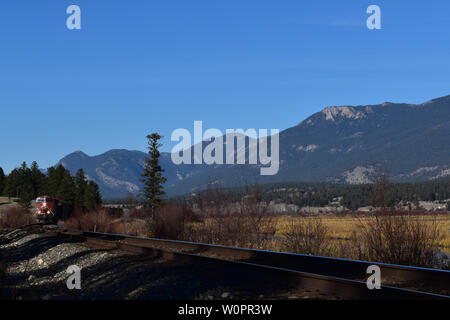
[342,227]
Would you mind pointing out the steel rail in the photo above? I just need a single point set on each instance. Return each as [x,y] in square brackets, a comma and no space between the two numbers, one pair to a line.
[284,267]
[354,269]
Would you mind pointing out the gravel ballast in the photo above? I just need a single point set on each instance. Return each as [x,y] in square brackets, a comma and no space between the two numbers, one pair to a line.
[37,263]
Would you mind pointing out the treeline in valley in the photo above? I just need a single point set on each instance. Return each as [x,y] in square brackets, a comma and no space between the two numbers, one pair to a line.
[320,194]
[356,196]
[28,183]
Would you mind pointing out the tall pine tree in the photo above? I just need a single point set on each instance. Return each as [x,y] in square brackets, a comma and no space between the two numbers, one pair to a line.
[12,184]
[92,197]
[38,180]
[152,176]
[24,187]
[2,181]
[66,190]
[55,176]
[80,188]
[26,195]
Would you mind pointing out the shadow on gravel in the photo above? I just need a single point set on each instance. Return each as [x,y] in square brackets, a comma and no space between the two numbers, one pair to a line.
[33,247]
[149,278]
[129,276]
[9,236]
[60,266]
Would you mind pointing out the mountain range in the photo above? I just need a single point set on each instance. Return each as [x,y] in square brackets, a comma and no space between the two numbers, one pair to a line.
[343,144]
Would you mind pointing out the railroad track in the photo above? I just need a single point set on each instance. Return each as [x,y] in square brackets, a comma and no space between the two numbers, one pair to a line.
[342,278]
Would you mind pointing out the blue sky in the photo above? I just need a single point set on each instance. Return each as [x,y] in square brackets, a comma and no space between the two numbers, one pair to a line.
[138,67]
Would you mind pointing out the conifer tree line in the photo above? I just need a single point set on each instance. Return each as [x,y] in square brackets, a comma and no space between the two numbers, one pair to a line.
[320,194]
[356,196]
[28,183]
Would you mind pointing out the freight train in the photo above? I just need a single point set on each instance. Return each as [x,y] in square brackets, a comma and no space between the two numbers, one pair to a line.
[48,209]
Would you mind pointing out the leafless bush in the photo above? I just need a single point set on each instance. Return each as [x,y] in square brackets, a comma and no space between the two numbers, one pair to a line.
[399,239]
[349,248]
[214,202]
[244,223]
[97,221]
[307,236]
[259,220]
[169,221]
[131,227]
[227,229]
[15,217]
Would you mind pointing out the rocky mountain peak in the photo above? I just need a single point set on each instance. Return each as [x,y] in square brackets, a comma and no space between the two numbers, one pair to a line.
[445,99]
[348,112]
[339,144]
[76,155]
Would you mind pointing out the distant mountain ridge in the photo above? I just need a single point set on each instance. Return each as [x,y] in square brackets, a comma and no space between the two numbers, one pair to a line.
[338,144]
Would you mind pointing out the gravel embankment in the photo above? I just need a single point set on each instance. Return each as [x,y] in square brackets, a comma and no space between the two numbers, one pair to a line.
[36,267]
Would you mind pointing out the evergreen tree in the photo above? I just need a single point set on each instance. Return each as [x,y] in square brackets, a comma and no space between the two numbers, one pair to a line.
[38,180]
[25,186]
[12,184]
[2,181]
[92,197]
[66,189]
[80,188]
[55,177]
[152,176]
[21,185]
[26,195]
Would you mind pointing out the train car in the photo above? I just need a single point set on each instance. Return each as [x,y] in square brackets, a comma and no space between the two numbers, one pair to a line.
[48,209]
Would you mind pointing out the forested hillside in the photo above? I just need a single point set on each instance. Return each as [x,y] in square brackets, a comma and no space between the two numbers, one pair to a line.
[27,183]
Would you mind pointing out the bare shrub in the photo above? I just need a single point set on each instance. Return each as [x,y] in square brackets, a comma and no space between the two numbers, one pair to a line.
[399,238]
[96,221]
[245,222]
[16,217]
[258,219]
[396,236]
[349,248]
[130,227]
[169,221]
[114,212]
[214,202]
[227,229]
[307,236]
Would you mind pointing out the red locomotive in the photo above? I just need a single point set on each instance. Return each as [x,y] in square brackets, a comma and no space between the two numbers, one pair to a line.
[48,209]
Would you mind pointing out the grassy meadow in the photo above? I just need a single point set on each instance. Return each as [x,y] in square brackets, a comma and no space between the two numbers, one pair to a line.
[343,228]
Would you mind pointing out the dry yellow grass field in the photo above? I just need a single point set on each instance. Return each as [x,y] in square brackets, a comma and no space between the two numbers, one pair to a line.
[4,200]
[342,228]
[6,203]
